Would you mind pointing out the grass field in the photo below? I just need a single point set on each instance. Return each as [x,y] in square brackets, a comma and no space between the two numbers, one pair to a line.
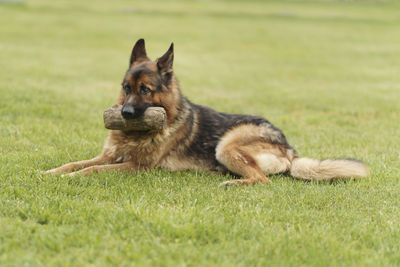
[326,73]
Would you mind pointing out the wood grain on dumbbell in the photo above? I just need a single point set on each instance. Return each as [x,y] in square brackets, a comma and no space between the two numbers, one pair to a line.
[154,118]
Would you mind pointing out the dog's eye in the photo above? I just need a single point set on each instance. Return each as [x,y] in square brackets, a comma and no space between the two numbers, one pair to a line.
[127,89]
[144,90]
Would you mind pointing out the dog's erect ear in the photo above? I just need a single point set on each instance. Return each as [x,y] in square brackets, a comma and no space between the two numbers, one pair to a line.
[165,62]
[138,51]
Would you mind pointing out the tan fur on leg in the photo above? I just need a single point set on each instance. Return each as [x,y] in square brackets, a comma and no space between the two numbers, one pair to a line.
[100,168]
[242,163]
[245,150]
[271,163]
[73,166]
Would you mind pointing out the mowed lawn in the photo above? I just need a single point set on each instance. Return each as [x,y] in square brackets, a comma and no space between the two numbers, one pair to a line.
[326,73]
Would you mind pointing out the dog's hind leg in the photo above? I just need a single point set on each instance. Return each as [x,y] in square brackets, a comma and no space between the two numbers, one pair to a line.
[240,162]
[99,168]
[244,151]
[73,166]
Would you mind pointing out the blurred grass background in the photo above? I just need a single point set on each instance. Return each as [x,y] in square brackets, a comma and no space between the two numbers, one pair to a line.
[325,72]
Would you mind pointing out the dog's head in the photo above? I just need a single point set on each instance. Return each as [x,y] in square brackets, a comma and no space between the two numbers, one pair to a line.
[149,83]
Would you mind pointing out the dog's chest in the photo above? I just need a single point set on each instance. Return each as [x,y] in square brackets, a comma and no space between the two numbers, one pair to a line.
[145,152]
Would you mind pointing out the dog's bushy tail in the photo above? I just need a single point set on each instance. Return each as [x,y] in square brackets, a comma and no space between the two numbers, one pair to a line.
[318,170]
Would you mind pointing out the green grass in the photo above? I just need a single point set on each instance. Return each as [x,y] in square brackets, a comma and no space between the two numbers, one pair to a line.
[324,72]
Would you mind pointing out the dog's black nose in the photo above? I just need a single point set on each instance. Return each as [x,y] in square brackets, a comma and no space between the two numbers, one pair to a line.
[128,112]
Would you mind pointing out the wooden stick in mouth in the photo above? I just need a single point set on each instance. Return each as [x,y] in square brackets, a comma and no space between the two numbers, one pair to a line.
[153,118]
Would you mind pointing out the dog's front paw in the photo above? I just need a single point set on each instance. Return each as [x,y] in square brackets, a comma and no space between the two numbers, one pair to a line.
[71,174]
[228,183]
[52,171]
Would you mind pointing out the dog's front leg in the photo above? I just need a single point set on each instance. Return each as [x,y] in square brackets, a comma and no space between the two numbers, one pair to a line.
[99,168]
[73,166]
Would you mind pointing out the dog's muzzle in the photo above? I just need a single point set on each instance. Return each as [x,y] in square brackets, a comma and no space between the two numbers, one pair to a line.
[128,112]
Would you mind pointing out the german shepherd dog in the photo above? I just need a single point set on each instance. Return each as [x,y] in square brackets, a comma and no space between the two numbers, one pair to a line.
[198,137]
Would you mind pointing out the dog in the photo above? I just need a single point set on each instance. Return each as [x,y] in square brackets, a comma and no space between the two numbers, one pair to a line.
[198,137]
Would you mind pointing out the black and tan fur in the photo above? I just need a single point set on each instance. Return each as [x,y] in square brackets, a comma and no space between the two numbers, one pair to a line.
[198,137]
